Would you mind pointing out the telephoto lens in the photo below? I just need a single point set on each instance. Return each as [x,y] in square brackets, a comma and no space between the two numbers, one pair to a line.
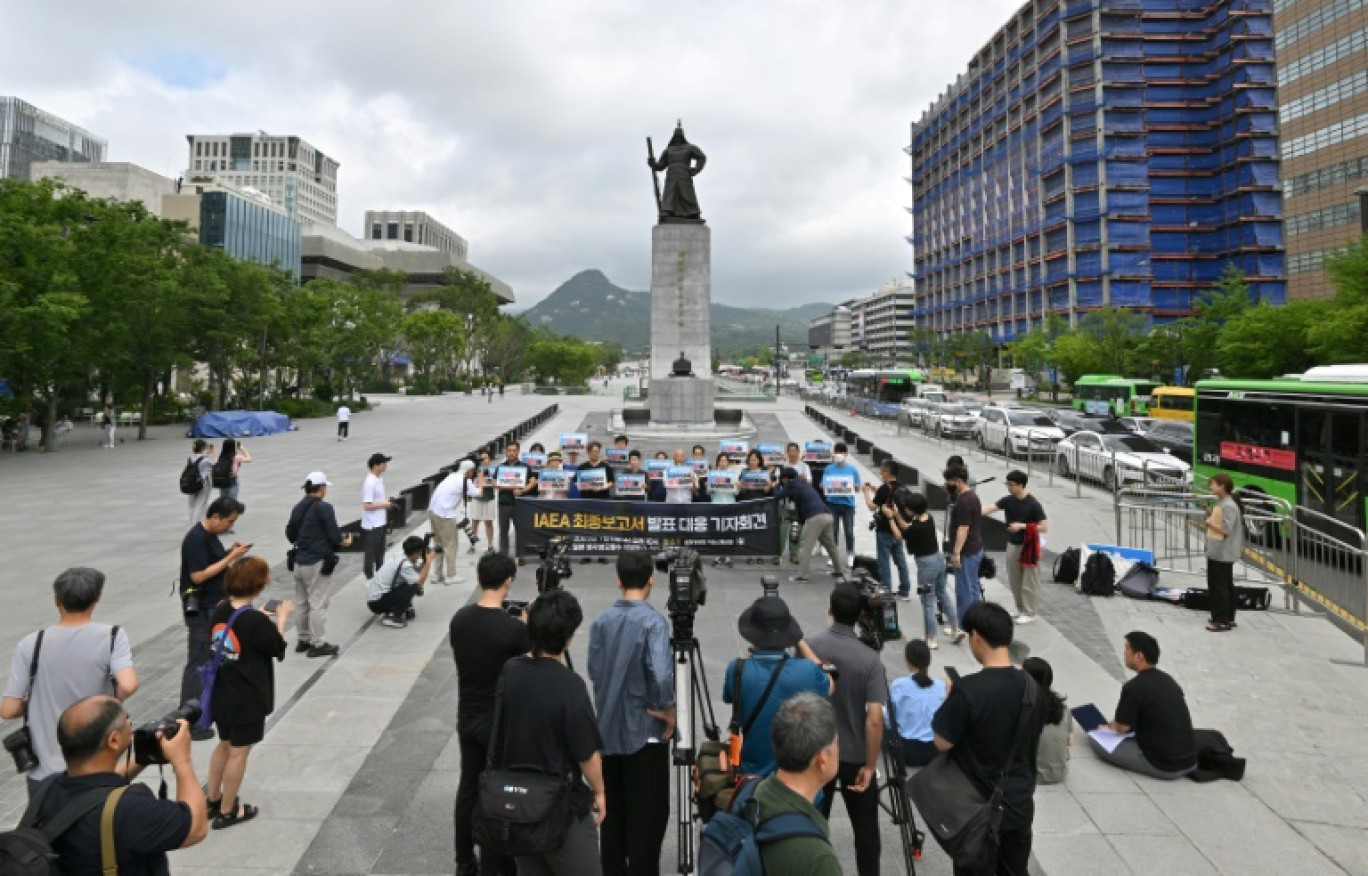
[147,747]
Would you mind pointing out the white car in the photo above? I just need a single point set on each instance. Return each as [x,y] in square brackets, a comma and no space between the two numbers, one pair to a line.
[950,421]
[1017,431]
[915,410]
[1118,459]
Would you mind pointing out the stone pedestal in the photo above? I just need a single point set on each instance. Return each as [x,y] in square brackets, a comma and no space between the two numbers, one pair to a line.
[681,322]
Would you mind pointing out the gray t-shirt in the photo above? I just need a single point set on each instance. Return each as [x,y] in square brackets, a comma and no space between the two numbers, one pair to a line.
[397,571]
[74,663]
[861,682]
[1230,548]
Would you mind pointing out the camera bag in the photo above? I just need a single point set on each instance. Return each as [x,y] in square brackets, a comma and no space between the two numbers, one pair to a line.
[717,774]
[27,850]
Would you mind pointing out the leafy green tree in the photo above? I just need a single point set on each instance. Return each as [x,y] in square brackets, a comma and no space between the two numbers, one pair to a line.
[1348,271]
[1116,331]
[569,361]
[1075,355]
[506,347]
[435,341]
[1265,340]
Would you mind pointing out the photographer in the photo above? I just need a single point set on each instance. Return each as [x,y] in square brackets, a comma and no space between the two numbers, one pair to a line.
[483,638]
[887,538]
[793,459]
[316,537]
[632,669]
[858,700]
[244,691]
[817,525]
[203,564]
[769,676]
[61,664]
[446,513]
[94,733]
[390,593]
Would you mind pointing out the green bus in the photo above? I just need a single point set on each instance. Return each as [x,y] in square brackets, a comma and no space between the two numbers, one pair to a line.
[1302,438]
[1113,394]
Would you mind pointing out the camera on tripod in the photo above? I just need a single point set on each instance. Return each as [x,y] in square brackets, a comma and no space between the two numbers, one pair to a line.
[147,747]
[878,621]
[769,585]
[554,567]
[688,589]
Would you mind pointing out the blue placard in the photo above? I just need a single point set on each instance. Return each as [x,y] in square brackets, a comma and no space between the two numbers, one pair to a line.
[655,468]
[631,484]
[722,481]
[553,479]
[534,461]
[679,476]
[699,466]
[754,479]
[592,479]
[736,450]
[817,451]
[573,441]
[772,453]
[616,455]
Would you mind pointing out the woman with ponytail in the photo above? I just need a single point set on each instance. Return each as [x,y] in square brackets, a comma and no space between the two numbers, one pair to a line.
[1052,755]
[915,700]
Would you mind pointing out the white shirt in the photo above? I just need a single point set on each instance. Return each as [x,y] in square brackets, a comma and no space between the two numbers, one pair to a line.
[802,468]
[373,490]
[446,499]
[344,414]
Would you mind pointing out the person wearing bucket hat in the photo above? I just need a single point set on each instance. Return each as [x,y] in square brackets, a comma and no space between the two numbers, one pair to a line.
[760,683]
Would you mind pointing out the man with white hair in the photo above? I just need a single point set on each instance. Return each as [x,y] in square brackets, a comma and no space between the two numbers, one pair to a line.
[446,508]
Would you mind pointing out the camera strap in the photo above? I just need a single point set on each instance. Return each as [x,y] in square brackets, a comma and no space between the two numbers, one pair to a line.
[33,672]
[764,697]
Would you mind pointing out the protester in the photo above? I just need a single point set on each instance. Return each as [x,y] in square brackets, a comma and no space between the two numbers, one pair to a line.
[722,497]
[244,689]
[446,508]
[858,698]
[375,508]
[391,591]
[793,458]
[771,630]
[756,462]
[1026,522]
[343,422]
[1224,547]
[1152,707]
[553,463]
[313,531]
[507,495]
[685,494]
[61,664]
[548,725]
[227,469]
[483,638]
[202,458]
[978,725]
[914,701]
[812,511]
[919,534]
[107,426]
[632,670]
[655,487]
[597,463]
[966,539]
[94,734]
[842,508]
[480,500]
[204,561]
[804,737]
[1052,757]
[888,539]
[621,442]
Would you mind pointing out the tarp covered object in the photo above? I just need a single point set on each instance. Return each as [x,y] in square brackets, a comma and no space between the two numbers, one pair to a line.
[239,424]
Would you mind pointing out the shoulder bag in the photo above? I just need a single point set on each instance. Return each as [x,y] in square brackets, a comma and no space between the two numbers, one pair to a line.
[957,813]
[519,812]
[209,669]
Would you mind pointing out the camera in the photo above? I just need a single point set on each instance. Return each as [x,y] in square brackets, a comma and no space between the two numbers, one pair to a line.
[147,747]
[19,744]
[878,621]
[469,530]
[515,607]
[688,588]
[190,600]
[554,567]
[769,585]
[427,545]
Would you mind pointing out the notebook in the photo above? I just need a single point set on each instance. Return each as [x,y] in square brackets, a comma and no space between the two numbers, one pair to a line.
[1088,717]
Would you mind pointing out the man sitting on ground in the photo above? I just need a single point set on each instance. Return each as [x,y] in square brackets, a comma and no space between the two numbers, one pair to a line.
[1153,707]
[391,591]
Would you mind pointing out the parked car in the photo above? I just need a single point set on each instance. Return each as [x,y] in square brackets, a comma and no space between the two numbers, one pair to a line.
[1174,436]
[1070,422]
[936,396]
[1118,460]
[1014,431]
[950,421]
[1138,425]
[915,409]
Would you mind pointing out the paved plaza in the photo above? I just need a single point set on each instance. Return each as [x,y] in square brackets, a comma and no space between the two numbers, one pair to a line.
[358,770]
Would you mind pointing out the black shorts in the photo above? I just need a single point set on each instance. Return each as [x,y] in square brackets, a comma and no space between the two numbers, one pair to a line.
[240,734]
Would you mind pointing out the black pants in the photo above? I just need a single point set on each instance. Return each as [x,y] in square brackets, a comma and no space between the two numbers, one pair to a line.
[1221,586]
[373,541]
[395,601]
[637,791]
[1014,854]
[863,809]
[505,521]
[474,751]
[196,654]
[342,429]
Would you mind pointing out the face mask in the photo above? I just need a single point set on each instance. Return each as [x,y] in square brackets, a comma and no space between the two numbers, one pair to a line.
[838,458]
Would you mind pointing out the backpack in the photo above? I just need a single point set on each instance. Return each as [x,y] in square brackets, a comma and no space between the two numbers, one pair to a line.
[730,844]
[1099,576]
[190,480]
[1139,582]
[27,850]
[221,475]
[1066,566]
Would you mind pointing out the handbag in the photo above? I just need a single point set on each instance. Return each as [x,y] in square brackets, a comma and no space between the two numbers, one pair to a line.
[519,812]
[963,820]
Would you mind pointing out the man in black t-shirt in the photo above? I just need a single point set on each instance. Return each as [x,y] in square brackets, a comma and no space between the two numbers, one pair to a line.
[888,543]
[1153,707]
[483,638]
[1026,522]
[978,725]
[507,495]
[203,564]
[965,534]
[596,462]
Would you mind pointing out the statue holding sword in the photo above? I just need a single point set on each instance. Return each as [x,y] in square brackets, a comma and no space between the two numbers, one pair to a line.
[681,161]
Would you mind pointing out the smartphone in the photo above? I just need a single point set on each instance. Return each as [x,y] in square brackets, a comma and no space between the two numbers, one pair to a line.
[953,674]
[271,606]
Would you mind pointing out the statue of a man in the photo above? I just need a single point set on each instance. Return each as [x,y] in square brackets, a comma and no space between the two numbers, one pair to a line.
[681,161]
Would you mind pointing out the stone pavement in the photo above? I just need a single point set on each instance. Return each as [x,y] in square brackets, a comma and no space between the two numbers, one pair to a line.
[358,770]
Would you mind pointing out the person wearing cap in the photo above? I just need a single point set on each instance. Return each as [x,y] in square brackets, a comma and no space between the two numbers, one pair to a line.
[817,523]
[446,508]
[771,630]
[1026,523]
[313,531]
[375,508]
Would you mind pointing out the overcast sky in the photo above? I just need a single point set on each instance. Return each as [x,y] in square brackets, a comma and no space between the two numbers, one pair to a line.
[521,125]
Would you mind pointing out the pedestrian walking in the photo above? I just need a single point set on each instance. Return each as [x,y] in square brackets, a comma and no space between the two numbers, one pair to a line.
[107,426]
[202,457]
[343,422]
[228,467]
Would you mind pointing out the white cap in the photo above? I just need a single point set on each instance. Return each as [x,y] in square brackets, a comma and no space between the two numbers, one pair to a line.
[316,479]
[465,466]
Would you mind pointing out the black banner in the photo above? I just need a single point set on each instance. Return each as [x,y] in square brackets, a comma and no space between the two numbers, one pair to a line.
[600,527]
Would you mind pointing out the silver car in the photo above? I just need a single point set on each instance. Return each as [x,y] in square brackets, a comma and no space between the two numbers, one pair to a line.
[1118,459]
[950,421]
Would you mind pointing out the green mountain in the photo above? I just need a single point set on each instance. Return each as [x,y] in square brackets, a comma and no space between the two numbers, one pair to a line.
[590,307]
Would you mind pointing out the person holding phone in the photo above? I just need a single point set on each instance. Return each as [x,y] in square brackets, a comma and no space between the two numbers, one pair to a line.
[204,564]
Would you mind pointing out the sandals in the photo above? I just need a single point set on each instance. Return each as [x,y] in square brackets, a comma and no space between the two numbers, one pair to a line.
[214,807]
[248,812]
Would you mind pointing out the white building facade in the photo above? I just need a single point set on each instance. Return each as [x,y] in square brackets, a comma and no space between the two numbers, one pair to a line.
[289,170]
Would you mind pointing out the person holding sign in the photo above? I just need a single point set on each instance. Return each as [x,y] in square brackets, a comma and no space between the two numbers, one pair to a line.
[722,481]
[655,474]
[631,484]
[840,482]
[553,482]
[596,463]
[681,482]
[510,481]
[754,482]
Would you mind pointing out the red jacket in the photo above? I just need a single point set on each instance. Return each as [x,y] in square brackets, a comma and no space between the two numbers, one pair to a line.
[1030,548]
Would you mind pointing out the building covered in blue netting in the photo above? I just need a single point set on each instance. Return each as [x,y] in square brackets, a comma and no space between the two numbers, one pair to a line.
[1095,153]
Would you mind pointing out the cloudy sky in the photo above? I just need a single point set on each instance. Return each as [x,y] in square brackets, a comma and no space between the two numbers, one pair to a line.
[521,124]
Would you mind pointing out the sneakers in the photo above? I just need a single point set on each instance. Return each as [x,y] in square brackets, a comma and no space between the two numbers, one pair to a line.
[390,620]
[957,637]
[797,577]
[931,643]
[410,614]
[301,646]
[906,597]
[324,650]
[1025,618]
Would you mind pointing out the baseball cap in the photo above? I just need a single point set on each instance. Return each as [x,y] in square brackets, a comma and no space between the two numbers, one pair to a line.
[465,466]
[316,479]
[377,458]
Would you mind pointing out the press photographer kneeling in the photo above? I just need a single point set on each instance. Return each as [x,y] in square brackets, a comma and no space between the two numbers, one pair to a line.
[391,591]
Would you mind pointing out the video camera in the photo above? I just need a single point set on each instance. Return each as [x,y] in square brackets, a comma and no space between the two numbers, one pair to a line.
[878,621]
[554,567]
[147,748]
[769,585]
[688,588]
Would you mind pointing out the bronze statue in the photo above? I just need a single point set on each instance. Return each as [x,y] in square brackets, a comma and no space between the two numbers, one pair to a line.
[681,161]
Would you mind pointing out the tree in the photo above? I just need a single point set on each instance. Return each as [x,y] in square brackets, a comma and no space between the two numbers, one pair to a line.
[567,360]
[435,341]
[1117,331]
[1266,341]
[363,325]
[505,347]
[1348,271]
[1075,355]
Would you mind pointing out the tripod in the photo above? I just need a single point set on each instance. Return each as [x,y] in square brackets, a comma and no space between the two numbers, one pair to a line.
[896,802]
[692,700]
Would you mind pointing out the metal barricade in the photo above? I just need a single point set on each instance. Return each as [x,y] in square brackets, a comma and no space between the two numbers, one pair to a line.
[1330,567]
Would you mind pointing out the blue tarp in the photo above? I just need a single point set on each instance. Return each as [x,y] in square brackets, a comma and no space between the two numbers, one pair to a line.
[5,391]
[239,424]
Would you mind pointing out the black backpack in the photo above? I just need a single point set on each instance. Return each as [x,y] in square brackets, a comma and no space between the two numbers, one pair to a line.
[1099,576]
[221,475]
[27,850]
[1066,566]
[190,480]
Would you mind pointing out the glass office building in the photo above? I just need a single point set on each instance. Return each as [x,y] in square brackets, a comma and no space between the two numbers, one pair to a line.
[27,134]
[246,230]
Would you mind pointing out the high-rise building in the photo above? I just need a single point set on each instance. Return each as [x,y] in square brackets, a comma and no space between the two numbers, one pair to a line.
[110,180]
[244,224]
[27,134]
[1322,51]
[413,226]
[288,170]
[1095,153]
[877,326]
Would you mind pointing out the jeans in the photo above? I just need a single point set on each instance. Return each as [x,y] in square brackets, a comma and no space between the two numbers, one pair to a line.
[1221,586]
[637,793]
[474,753]
[843,517]
[1024,581]
[967,588]
[1014,854]
[230,492]
[863,809]
[890,548]
[931,584]
[196,653]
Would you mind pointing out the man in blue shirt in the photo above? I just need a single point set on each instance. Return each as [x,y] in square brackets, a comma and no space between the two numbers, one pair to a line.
[632,669]
[842,507]
[817,526]
[771,630]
